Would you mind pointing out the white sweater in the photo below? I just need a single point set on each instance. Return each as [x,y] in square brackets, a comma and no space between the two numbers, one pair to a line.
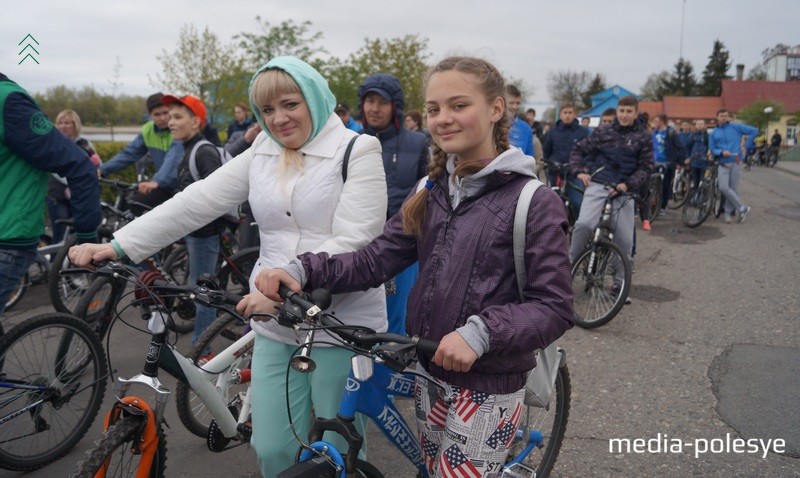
[309,210]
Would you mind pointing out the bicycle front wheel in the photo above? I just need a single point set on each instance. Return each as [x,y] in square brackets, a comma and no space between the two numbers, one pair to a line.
[66,290]
[680,191]
[217,337]
[114,452]
[16,296]
[654,198]
[697,206]
[601,280]
[43,412]
[551,422]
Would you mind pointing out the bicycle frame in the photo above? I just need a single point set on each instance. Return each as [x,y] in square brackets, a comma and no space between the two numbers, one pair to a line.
[206,381]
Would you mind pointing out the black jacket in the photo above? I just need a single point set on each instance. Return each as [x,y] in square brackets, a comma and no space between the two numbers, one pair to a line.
[208,160]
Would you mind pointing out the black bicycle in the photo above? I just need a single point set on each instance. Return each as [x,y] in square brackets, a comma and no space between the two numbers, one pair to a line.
[53,374]
[704,198]
[601,274]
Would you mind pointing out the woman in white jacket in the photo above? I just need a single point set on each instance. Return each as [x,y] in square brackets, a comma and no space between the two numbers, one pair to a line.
[292,176]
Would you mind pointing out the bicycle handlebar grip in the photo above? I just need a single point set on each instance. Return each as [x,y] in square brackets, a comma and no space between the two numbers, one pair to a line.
[231,298]
[295,298]
[427,346]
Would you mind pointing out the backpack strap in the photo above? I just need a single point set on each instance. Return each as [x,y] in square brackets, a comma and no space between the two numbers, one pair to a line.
[520,225]
[346,159]
[193,160]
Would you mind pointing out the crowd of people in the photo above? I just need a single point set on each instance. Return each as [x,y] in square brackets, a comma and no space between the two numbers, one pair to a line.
[404,214]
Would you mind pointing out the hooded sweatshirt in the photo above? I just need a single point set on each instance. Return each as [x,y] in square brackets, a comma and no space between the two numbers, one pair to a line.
[467,279]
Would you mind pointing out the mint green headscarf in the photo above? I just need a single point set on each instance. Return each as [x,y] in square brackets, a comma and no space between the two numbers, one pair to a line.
[318,95]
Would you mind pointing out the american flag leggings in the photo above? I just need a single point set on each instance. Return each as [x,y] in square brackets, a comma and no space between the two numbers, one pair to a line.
[468,433]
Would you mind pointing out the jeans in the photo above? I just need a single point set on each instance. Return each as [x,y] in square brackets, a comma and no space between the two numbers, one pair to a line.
[666,188]
[203,252]
[729,176]
[13,265]
[575,190]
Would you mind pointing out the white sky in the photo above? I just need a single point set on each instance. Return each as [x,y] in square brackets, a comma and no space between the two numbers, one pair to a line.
[626,40]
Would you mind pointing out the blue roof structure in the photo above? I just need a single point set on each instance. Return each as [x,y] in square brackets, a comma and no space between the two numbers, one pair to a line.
[606,99]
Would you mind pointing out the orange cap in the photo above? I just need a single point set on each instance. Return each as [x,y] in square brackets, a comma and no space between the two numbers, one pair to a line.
[192,102]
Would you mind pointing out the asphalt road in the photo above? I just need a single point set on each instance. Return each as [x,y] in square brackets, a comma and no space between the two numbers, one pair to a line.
[707,354]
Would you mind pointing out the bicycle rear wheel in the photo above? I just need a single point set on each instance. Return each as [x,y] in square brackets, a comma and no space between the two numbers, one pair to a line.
[551,422]
[217,337]
[234,276]
[66,290]
[599,288]
[114,450]
[39,425]
[698,206]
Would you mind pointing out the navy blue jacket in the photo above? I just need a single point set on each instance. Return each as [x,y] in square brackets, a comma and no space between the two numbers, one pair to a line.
[625,151]
[561,139]
[698,149]
[405,152]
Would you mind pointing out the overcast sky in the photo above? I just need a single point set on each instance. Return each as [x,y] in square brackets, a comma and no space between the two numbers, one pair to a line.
[625,40]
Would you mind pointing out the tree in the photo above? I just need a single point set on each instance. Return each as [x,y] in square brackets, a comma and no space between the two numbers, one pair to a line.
[115,82]
[403,57]
[716,70]
[287,38]
[567,86]
[682,81]
[654,87]
[754,114]
[597,85]
[202,65]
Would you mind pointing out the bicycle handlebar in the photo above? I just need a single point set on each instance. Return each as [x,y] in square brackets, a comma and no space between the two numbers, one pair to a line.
[119,184]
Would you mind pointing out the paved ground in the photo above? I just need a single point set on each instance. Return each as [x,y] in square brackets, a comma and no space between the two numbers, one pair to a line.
[708,353]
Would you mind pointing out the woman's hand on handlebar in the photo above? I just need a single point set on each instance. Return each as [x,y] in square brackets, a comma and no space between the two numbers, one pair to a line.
[454,353]
[256,303]
[82,255]
[269,280]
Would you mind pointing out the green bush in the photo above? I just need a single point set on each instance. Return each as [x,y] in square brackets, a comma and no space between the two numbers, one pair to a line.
[107,150]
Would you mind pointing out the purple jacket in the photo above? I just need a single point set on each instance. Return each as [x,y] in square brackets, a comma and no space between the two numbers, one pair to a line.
[467,268]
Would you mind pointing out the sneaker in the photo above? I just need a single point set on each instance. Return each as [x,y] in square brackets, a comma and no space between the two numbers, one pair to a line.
[646,225]
[662,212]
[743,214]
[616,290]
[727,219]
[205,358]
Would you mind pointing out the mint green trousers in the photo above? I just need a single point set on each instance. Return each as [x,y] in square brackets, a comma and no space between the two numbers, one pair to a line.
[273,440]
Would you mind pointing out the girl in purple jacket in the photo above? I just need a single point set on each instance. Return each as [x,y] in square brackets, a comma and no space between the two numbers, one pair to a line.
[459,227]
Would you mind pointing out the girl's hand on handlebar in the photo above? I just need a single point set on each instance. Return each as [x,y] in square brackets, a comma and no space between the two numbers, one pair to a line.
[83,255]
[269,280]
[256,303]
[454,353]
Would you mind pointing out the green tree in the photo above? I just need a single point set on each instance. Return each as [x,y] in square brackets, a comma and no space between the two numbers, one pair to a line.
[754,114]
[567,86]
[200,65]
[597,85]
[716,70]
[287,38]
[403,57]
[682,81]
[654,87]
[757,73]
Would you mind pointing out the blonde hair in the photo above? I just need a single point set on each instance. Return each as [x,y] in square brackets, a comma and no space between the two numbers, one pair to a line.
[268,85]
[493,86]
[71,115]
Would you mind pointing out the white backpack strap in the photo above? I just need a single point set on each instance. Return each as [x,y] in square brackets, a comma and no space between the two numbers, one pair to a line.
[193,161]
[520,225]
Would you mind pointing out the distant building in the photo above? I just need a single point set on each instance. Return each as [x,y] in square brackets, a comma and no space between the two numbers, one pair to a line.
[784,65]
[605,99]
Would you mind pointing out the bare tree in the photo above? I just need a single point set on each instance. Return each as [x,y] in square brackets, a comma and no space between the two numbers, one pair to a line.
[567,86]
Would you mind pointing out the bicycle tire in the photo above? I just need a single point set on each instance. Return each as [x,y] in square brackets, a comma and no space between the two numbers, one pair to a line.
[698,206]
[654,198]
[191,410]
[96,306]
[19,292]
[544,458]
[48,431]
[596,298]
[114,445]
[234,276]
[679,192]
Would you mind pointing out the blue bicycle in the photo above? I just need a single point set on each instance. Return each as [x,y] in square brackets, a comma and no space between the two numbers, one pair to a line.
[380,369]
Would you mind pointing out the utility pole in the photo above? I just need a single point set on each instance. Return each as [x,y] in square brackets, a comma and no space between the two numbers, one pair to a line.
[683,16]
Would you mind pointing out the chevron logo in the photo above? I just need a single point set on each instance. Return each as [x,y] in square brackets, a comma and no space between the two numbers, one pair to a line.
[29,48]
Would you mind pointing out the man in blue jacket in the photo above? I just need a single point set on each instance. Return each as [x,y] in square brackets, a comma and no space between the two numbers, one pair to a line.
[557,147]
[154,139]
[30,149]
[520,134]
[668,151]
[405,161]
[725,143]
